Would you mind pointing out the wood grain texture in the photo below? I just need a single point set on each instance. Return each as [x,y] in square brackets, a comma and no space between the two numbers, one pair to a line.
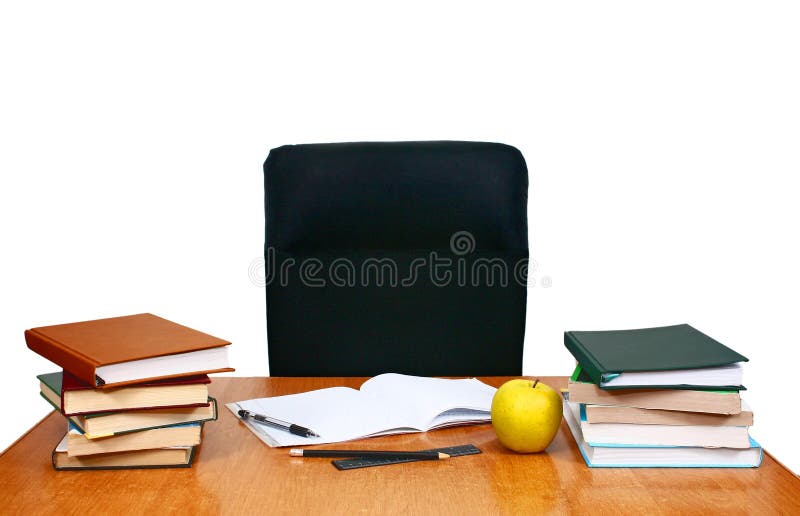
[235,473]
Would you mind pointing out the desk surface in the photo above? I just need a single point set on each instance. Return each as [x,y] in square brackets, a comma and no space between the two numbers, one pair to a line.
[234,472]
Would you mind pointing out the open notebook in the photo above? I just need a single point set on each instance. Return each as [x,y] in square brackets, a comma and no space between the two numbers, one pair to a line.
[386,404]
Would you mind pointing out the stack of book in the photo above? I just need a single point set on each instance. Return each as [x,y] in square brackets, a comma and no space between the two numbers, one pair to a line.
[658,397]
[133,390]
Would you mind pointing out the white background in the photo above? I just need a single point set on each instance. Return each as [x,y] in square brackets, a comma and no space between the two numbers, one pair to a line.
[662,142]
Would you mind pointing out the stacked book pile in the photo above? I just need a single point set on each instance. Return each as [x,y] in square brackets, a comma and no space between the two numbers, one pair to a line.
[133,390]
[658,397]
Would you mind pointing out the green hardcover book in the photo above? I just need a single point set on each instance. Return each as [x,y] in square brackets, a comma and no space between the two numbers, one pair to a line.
[172,457]
[672,357]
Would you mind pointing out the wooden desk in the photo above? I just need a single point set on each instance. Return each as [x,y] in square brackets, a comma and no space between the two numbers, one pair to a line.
[234,472]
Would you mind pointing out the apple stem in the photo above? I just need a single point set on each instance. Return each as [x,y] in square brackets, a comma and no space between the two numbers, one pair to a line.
[534,383]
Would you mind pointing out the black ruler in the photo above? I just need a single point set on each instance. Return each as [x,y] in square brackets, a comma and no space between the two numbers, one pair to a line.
[453,451]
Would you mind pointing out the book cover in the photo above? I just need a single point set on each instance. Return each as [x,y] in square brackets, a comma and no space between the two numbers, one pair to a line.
[172,457]
[107,424]
[633,434]
[116,351]
[119,423]
[606,354]
[617,414]
[185,435]
[582,390]
[74,397]
[659,456]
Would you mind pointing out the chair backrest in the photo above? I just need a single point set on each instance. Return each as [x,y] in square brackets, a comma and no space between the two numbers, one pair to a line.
[404,257]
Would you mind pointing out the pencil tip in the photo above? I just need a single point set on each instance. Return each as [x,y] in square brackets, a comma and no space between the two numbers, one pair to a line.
[443,456]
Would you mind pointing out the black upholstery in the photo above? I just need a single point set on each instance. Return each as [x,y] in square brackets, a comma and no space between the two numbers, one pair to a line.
[343,218]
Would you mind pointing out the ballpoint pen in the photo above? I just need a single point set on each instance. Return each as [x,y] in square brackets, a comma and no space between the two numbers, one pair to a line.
[277,423]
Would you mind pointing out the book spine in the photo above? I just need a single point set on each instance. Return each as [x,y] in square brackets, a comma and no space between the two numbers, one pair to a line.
[72,361]
[213,402]
[584,358]
[59,409]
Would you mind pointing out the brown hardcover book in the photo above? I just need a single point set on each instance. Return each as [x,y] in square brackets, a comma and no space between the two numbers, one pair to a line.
[612,414]
[716,402]
[130,349]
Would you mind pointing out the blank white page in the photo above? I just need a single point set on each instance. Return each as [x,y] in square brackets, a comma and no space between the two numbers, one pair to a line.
[709,376]
[167,365]
[423,398]
[336,414]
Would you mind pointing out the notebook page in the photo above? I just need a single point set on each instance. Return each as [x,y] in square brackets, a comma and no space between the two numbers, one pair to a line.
[426,400]
[460,417]
[336,414]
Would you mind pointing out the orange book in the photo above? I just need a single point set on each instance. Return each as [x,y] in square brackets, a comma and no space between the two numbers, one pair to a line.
[129,349]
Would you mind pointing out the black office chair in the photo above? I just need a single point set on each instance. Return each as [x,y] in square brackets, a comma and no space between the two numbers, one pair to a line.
[404,257]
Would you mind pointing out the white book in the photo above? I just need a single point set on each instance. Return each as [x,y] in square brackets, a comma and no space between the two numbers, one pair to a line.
[727,375]
[660,456]
[632,434]
[386,404]
[212,359]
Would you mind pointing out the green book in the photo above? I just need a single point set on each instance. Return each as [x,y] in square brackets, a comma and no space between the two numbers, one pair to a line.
[673,357]
[171,457]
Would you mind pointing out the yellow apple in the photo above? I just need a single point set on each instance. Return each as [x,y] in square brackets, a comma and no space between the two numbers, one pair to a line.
[526,415]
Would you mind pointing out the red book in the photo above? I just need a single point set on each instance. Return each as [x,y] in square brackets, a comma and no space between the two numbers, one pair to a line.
[72,396]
